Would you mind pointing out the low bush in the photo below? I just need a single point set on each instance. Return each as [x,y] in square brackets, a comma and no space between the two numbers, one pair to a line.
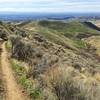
[21,49]
[69,84]
[3,35]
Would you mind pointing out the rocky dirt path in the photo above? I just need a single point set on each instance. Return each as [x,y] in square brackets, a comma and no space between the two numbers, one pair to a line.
[13,91]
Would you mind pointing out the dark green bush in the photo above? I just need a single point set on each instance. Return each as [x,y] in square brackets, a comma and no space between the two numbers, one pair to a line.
[3,35]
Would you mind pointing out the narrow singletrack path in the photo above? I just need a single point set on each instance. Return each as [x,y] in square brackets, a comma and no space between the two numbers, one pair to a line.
[13,90]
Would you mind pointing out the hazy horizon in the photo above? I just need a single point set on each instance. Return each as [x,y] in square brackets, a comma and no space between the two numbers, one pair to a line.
[51,6]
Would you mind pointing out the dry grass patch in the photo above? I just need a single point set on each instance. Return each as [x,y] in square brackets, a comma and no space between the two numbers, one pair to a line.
[69,84]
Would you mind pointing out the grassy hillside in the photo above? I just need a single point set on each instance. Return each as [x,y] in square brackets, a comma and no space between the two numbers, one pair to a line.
[70,29]
[67,34]
[70,32]
[94,42]
[52,61]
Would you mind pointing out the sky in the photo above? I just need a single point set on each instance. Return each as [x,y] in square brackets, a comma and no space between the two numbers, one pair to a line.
[50,6]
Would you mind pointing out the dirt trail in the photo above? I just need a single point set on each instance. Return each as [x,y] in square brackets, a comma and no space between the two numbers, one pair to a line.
[13,91]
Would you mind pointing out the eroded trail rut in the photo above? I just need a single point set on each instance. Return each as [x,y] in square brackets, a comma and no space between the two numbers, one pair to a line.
[13,91]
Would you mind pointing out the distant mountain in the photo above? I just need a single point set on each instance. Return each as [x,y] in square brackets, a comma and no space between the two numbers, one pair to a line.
[61,18]
[51,16]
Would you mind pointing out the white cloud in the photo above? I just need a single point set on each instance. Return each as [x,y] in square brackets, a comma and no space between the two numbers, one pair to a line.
[80,8]
[9,1]
[49,6]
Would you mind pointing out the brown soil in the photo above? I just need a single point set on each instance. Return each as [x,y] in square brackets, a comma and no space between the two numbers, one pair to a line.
[13,90]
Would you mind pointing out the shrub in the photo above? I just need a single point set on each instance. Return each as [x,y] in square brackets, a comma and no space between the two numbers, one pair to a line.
[21,49]
[69,84]
[44,64]
[14,39]
[3,35]
[8,45]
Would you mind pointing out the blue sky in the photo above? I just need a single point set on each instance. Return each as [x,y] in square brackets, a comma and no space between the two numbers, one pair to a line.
[50,5]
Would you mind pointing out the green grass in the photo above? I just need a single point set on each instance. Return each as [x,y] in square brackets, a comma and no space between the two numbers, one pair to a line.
[72,29]
[8,45]
[66,34]
[60,39]
[27,84]
[80,44]
[56,38]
